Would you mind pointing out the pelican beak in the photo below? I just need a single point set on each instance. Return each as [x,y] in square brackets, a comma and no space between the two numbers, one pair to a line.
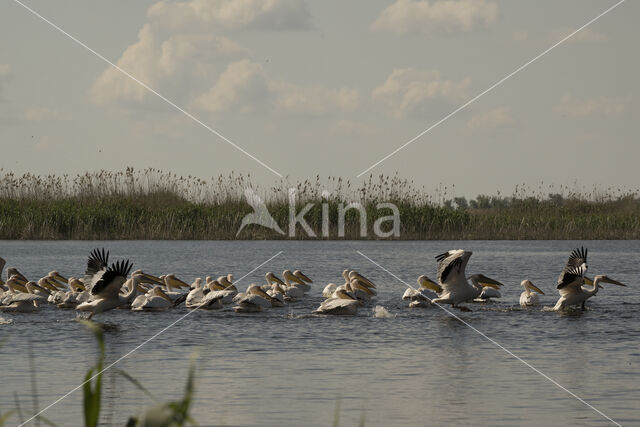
[613,282]
[60,278]
[489,285]
[231,288]
[535,288]
[358,284]
[304,276]
[262,293]
[141,289]
[278,280]
[429,284]
[151,279]
[587,281]
[174,282]
[46,284]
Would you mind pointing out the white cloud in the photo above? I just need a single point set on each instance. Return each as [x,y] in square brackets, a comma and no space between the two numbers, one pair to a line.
[589,107]
[417,92]
[442,16]
[176,66]
[231,14]
[245,87]
[586,35]
[489,120]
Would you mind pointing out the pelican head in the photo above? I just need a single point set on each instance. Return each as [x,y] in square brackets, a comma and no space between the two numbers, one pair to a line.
[359,284]
[171,281]
[271,278]
[530,286]
[300,275]
[288,275]
[57,276]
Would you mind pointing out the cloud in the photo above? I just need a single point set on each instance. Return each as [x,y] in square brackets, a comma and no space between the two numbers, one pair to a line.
[417,92]
[589,107]
[269,15]
[176,66]
[489,120]
[442,16]
[245,87]
[586,36]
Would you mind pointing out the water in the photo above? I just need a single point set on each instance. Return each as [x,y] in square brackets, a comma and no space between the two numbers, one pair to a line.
[287,367]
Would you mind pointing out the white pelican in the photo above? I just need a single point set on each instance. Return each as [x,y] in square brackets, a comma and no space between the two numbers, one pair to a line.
[488,287]
[452,280]
[255,300]
[154,300]
[360,290]
[77,294]
[295,287]
[571,280]
[107,289]
[331,288]
[341,303]
[529,297]
[172,282]
[20,278]
[300,275]
[22,302]
[423,296]
[363,280]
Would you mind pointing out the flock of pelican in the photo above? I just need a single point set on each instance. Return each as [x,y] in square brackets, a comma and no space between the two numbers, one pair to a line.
[454,287]
[105,287]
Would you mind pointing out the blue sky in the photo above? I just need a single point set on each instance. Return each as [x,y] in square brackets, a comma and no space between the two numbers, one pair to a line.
[326,87]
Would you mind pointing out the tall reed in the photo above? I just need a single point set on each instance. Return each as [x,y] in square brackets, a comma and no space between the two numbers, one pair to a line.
[153,204]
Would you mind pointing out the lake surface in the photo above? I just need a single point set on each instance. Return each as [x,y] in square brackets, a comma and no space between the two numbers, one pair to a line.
[288,367]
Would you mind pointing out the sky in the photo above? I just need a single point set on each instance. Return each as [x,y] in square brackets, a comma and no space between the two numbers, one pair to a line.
[326,87]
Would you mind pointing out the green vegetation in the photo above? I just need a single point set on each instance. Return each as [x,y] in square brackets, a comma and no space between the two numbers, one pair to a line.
[162,414]
[152,204]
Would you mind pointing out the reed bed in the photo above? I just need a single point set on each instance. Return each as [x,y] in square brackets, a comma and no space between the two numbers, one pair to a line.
[153,204]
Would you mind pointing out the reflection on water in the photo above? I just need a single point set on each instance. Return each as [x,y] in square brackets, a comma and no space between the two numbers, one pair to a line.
[288,367]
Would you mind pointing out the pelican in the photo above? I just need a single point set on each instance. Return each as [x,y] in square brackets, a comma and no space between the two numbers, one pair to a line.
[107,289]
[300,275]
[452,281]
[254,301]
[342,303]
[489,288]
[22,302]
[423,296]
[529,297]
[77,294]
[172,282]
[360,290]
[295,286]
[571,280]
[331,288]
[154,300]
[20,278]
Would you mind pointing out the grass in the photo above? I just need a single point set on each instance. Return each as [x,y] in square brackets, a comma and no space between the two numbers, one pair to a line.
[152,204]
[166,414]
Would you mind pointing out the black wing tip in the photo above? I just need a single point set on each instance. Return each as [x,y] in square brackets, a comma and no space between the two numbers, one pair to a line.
[580,252]
[100,256]
[121,268]
[442,256]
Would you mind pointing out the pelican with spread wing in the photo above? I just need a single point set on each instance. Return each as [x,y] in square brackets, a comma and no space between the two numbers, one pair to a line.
[106,290]
[453,287]
[571,281]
